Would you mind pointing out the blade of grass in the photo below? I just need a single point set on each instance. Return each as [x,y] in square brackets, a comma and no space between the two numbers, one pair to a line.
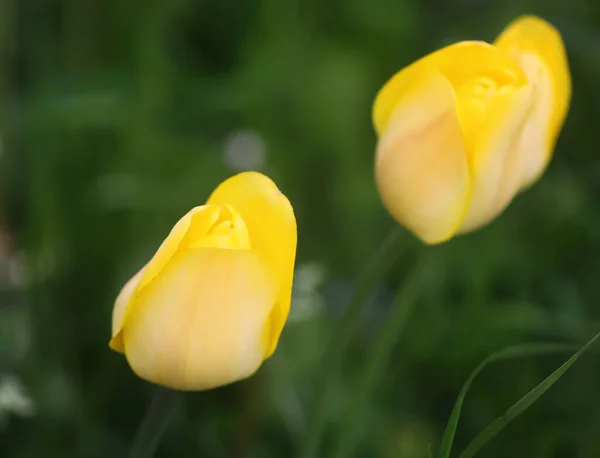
[513,352]
[523,404]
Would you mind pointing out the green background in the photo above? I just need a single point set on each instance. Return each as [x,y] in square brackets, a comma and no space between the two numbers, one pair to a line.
[118,116]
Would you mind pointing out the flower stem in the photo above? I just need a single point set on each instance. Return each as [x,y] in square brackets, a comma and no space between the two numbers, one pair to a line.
[387,253]
[154,423]
[379,357]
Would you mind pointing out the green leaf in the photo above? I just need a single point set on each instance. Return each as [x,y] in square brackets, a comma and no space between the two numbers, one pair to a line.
[522,404]
[517,351]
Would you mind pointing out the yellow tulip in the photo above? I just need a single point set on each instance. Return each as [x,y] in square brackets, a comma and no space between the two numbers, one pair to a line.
[464,129]
[210,306]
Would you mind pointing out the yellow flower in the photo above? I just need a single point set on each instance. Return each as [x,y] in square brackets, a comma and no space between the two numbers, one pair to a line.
[464,129]
[209,307]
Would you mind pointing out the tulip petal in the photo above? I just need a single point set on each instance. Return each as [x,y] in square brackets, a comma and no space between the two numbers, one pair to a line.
[197,221]
[271,225]
[119,309]
[459,63]
[421,164]
[539,49]
[496,162]
[198,324]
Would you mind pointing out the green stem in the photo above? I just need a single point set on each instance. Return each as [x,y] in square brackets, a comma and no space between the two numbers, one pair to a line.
[154,423]
[379,357]
[384,258]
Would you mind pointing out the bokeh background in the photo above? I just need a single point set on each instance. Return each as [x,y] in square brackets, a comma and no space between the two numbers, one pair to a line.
[117,116]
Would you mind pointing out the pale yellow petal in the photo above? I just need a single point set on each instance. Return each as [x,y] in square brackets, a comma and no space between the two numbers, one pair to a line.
[459,63]
[119,310]
[188,232]
[421,163]
[202,217]
[496,162]
[271,225]
[198,324]
[228,230]
[539,49]
[539,137]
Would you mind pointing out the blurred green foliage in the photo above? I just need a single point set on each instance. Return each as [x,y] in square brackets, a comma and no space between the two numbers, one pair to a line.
[118,116]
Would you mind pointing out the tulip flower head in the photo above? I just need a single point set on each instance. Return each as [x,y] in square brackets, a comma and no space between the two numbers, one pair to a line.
[464,129]
[210,306]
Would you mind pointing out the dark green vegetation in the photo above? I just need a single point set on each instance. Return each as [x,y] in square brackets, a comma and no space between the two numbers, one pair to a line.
[118,116]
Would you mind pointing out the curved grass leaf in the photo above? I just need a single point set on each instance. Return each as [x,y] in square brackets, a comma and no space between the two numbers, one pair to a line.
[513,352]
[523,404]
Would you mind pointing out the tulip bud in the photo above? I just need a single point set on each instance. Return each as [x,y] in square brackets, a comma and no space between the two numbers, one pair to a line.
[209,307]
[464,129]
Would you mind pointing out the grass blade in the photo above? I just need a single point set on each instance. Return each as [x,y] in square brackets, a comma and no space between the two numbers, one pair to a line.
[513,352]
[523,404]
